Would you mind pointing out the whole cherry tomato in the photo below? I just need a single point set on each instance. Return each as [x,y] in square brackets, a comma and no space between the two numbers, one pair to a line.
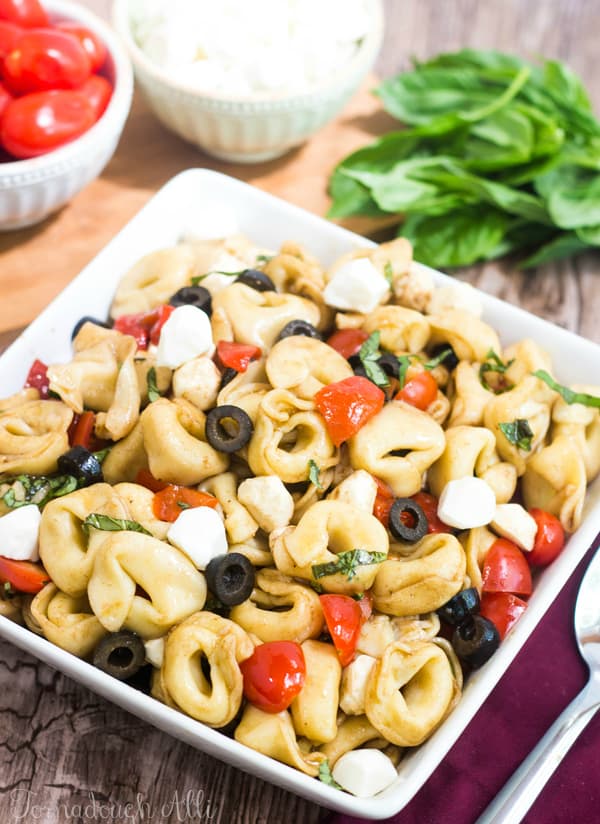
[348,405]
[98,91]
[237,355]
[37,378]
[5,99]
[420,391]
[274,675]
[157,319]
[503,609]
[23,576]
[45,59]
[549,538]
[9,34]
[383,502]
[169,503]
[37,123]
[429,505]
[94,47]
[27,13]
[347,341]
[344,619]
[505,569]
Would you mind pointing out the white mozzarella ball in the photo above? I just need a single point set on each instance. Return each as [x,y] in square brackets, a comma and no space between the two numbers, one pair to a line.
[512,521]
[19,533]
[186,334]
[357,286]
[267,500]
[466,503]
[353,688]
[364,772]
[199,532]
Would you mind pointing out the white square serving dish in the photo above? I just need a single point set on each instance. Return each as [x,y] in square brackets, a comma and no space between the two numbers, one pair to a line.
[270,221]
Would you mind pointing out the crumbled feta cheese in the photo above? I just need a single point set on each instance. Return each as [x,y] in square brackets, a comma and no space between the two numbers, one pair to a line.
[512,521]
[267,500]
[19,532]
[155,652]
[357,286]
[466,503]
[364,772]
[185,335]
[353,688]
[358,489]
[218,221]
[457,295]
[197,381]
[199,533]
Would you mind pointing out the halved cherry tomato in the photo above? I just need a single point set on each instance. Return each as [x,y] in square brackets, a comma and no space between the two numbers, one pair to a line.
[27,13]
[549,538]
[274,675]
[344,619]
[92,45]
[9,34]
[383,502]
[83,430]
[420,391]
[38,378]
[505,569]
[237,355]
[429,505]
[37,123]
[5,99]
[133,325]
[158,317]
[347,341]
[147,479]
[169,503]
[366,605]
[23,576]
[503,609]
[45,59]
[97,91]
[348,405]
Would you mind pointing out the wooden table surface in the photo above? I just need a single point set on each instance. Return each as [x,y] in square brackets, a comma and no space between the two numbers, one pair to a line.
[66,755]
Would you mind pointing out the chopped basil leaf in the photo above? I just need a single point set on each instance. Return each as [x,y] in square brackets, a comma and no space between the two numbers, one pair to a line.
[431,364]
[8,591]
[518,432]
[317,587]
[197,278]
[153,393]
[369,355]
[325,775]
[313,474]
[37,489]
[347,562]
[108,524]
[264,258]
[404,361]
[388,272]
[493,363]
[101,455]
[183,505]
[568,395]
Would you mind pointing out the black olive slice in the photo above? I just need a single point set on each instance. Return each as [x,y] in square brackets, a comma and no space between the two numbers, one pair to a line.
[357,366]
[390,364]
[230,578]
[193,296]
[88,319]
[475,641]
[413,526]
[299,327]
[458,609]
[81,463]
[120,654]
[256,279]
[228,375]
[450,361]
[217,435]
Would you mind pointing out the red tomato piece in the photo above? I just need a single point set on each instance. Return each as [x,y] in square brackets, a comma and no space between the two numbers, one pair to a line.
[420,391]
[9,34]
[237,355]
[169,503]
[429,505]
[5,99]
[133,325]
[38,378]
[274,675]
[348,405]
[549,538]
[503,609]
[505,569]
[97,91]
[383,502]
[23,576]
[93,46]
[27,13]
[147,479]
[37,123]
[162,315]
[344,619]
[45,59]
[83,430]
[347,341]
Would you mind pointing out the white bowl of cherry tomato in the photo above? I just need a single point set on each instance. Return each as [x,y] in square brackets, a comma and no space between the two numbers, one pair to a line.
[65,91]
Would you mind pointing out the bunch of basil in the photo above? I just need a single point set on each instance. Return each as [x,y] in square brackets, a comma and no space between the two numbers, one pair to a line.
[502,156]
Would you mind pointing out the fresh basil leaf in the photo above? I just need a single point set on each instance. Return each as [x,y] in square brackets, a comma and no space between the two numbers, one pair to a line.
[493,363]
[349,197]
[565,244]
[369,355]
[264,258]
[100,456]
[431,364]
[37,489]
[404,363]
[370,348]
[347,562]
[109,524]
[153,393]
[325,775]
[313,474]
[183,505]
[199,278]
[568,395]
[572,193]
[518,432]
[388,272]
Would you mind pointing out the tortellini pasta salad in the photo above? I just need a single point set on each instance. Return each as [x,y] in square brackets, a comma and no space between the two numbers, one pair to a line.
[299,504]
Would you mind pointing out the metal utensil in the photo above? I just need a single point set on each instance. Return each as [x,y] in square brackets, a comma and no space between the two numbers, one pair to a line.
[519,793]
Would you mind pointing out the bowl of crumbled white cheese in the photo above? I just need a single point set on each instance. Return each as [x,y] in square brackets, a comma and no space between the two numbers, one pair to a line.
[247,80]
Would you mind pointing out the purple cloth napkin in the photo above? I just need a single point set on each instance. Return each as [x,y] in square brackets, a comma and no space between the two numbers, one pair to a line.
[542,680]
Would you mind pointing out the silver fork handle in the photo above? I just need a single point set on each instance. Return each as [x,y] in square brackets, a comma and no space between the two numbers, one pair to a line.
[527,782]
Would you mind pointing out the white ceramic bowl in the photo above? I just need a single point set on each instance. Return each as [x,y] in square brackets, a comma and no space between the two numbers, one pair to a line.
[30,190]
[250,129]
